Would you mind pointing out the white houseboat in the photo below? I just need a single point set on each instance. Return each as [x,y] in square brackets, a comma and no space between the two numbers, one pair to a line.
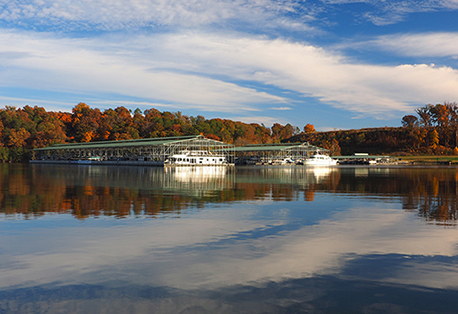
[196,158]
[320,160]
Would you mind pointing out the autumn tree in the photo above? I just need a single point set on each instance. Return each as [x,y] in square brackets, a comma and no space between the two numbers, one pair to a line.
[425,116]
[123,128]
[453,112]
[309,128]
[433,139]
[409,121]
[85,122]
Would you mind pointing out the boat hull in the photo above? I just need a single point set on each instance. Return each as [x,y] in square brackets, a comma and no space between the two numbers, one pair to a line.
[320,161]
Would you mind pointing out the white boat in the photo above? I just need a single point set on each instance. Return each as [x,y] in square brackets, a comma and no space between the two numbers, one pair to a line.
[320,160]
[196,158]
[287,160]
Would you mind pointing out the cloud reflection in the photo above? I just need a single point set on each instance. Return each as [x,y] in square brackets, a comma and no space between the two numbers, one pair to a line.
[257,239]
[228,246]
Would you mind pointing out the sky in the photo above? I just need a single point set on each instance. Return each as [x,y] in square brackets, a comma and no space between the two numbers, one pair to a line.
[336,64]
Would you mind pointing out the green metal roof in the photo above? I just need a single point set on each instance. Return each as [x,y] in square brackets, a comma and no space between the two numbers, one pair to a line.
[131,143]
[274,147]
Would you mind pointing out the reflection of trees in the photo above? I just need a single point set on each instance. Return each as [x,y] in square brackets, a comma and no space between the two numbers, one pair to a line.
[33,190]
[85,191]
[431,192]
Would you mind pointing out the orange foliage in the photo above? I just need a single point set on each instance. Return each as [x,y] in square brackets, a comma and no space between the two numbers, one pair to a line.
[213,137]
[309,128]
[87,137]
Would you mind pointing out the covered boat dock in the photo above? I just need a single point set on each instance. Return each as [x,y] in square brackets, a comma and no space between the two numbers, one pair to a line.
[158,151]
[151,151]
[276,154]
[364,159]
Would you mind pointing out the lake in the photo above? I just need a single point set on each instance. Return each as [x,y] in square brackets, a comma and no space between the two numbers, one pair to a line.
[101,239]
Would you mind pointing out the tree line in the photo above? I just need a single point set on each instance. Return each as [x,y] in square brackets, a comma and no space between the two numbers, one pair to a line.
[433,130]
[23,129]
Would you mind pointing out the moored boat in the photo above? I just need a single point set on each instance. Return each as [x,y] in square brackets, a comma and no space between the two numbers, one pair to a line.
[196,158]
[320,160]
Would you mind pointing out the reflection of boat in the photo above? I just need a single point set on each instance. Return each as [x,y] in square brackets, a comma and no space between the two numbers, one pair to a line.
[320,160]
[196,158]
[320,173]
[203,174]
[196,181]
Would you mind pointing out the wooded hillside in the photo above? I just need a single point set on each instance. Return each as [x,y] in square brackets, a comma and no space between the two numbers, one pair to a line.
[23,129]
[433,131]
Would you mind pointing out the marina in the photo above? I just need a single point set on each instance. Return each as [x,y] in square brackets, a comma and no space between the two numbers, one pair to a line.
[176,151]
[196,151]
[168,151]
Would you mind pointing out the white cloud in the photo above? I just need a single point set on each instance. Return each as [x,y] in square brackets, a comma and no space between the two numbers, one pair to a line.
[134,14]
[217,72]
[20,102]
[382,12]
[416,45]
[74,65]
[281,108]
[267,121]
[449,4]
[127,14]
[313,71]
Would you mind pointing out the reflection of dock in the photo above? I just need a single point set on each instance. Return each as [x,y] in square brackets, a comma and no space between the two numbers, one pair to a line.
[190,181]
[197,174]
[96,190]
[197,180]
[303,176]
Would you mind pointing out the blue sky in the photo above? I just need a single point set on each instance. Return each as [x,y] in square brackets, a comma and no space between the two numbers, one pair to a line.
[336,64]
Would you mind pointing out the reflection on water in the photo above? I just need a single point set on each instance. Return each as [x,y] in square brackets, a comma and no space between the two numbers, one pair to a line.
[248,240]
[121,191]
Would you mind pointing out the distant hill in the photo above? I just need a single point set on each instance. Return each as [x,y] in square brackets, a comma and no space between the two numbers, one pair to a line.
[377,141]
[434,131]
[23,129]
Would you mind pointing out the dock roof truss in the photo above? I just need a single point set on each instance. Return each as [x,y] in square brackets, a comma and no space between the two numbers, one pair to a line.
[156,148]
[279,151]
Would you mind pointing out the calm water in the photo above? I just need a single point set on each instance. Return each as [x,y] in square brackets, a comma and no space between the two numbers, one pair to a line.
[89,239]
